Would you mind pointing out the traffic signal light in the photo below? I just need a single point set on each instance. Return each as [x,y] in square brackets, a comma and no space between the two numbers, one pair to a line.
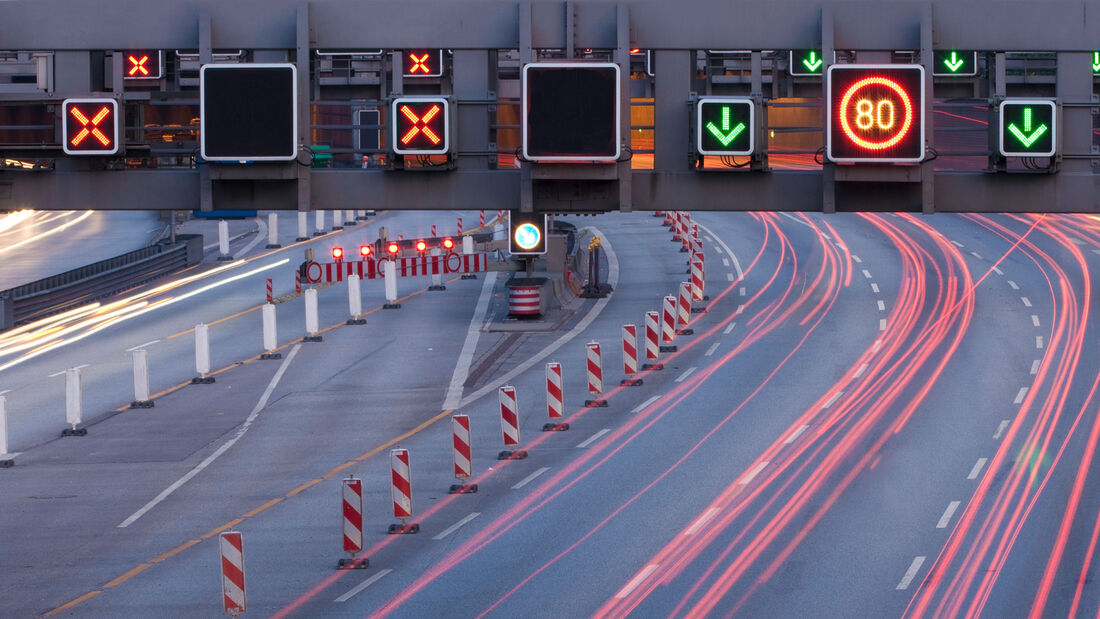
[145,64]
[448,244]
[248,112]
[724,126]
[570,112]
[876,113]
[420,126]
[1028,127]
[526,233]
[90,126]
[422,63]
[365,251]
[337,253]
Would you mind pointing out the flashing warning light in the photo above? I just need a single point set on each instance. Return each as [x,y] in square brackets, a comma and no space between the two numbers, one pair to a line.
[448,244]
[875,113]
[392,247]
[724,126]
[1028,127]
[337,253]
[421,126]
[570,112]
[365,250]
[423,63]
[421,246]
[90,126]
[527,233]
[143,64]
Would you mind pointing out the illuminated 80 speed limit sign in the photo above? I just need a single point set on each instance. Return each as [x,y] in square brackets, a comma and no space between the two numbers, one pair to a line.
[875,113]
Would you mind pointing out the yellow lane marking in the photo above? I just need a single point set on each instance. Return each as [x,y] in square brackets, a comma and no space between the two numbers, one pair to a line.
[220,320]
[262,507]
[128,575]
[175,551]
[84,598]
[225,527]
[304,487]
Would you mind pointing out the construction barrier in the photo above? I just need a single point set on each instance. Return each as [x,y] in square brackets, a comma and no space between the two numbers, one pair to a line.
[554,398]
[5,460]
[683,313]
[652,340]
[351,494]
[525,301]
[509,423]
[272,231]
[355,301]
[411,266]
[460,441]
[202,355]
[401,491]
[271,338]
[668,324]
[269,295]
[594,365]
[697,281]
[141,379]
[231,545]
[630,356]
[312,321]
[458,231]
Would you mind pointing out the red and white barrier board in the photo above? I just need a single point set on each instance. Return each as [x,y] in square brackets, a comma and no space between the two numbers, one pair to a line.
[410,266]
[630,350]
[352,498]
[460,429]
[697,281]
[553,390]
[595,368]
[652,328]
[509,416]
[231,546]
[401,483]
[668,322]
[683,313]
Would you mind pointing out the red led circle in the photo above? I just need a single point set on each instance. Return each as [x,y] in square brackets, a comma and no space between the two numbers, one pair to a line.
[876,81]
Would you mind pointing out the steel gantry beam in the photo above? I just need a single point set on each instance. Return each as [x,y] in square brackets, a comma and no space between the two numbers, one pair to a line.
[78,47]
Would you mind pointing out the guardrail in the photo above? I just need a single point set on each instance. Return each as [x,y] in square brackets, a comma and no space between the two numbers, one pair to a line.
[70,289]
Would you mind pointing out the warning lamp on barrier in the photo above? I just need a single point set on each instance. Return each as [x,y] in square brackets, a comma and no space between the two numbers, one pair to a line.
[365,250]
[448,244]
[392,247]
[421,246]
[337,253]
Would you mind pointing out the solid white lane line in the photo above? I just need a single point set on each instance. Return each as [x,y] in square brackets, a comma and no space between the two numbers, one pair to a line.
[729,277]
[751,474]
[874,288]
[473,333]
[638,579]
[713,347]
[947,514]
[729,328]
[701,520]
[856,258]
[910,573]
[719,242]
[1034,367]
[225,446]
[725,262]
[641,407]
[860,371]
[1020,395]
[881,306]
[530,478]
[794,435]
[832,400]
[881,324]
[689,372]
[977,468]
[1038,341]
[363,585]
[140,346]
[1026,301]
[456,526]
[592,439]
[1034,320]
[1000,429]
[1013,285]
[866,273]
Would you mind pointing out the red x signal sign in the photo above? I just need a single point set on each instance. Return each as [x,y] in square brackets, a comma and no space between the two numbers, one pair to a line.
[423,63]
[143,64]
[90,126]
[421,126]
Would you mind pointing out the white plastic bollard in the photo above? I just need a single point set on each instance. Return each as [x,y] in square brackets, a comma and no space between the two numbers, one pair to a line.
[349,218]
[467,245]
[311,316]
[271,338]
[141,379]
[437,275]
[355,301]
[223,240]
[303,226]
[74,414]
[4,463]
[336,221]
[360,214]
[319,223]
[202,354]
[390,272]
[273,231]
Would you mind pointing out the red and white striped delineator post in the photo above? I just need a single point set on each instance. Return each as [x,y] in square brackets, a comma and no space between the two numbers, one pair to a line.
[594,364]
[668,324]
[697,282]
[683,310]
[297,282]
[481,219]
[460,441]
[351,495]
[401,491]
[685,235]
[433,231]
[459,228]
[668,218]
[509,424]
[675,227]
[554,398]
[630,356]
[231,546]
[269,296]
[652,341]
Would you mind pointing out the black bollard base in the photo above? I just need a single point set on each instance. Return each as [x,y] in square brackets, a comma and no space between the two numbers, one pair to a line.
[353,564]
[313,338]
[142,404]
[631,382]
[555,427]
[74,432]
[668,348]
[202,380]
[404,529]
[392,306]
[601,403]
[653,366]
[462,489]
[512,455]
[271,355]
[356,321]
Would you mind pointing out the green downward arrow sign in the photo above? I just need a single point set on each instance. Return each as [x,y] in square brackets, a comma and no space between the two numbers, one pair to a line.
[1096,62]
[813,62]
[1027,137]
[954,62]
[725,135]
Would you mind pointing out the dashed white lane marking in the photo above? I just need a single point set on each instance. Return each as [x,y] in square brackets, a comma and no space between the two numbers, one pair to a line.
[641,407]
[729,328]
[1096,251]
[958,244]
[708,238]
[363,585]
[881,306]
[874,287]
[881,324]
[860,371]
[713,347]
[976,255]
[1035,320]
[977,468]
[751,474]
[742,292]
[1020,395]
[1035,367]
[683,376]
[701,520]
[637,580]
[794,435]
[725,262]
[1000,429]
[739,309]
[456,526]
[1026,301]
[877,345]
[1038,341]
[592,439]
[998,271]
[729,277]
[718,249]
[947,513]
[1013,285]
[832,400]
[530,478]
[856,258]
[910,573]
[866,273]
